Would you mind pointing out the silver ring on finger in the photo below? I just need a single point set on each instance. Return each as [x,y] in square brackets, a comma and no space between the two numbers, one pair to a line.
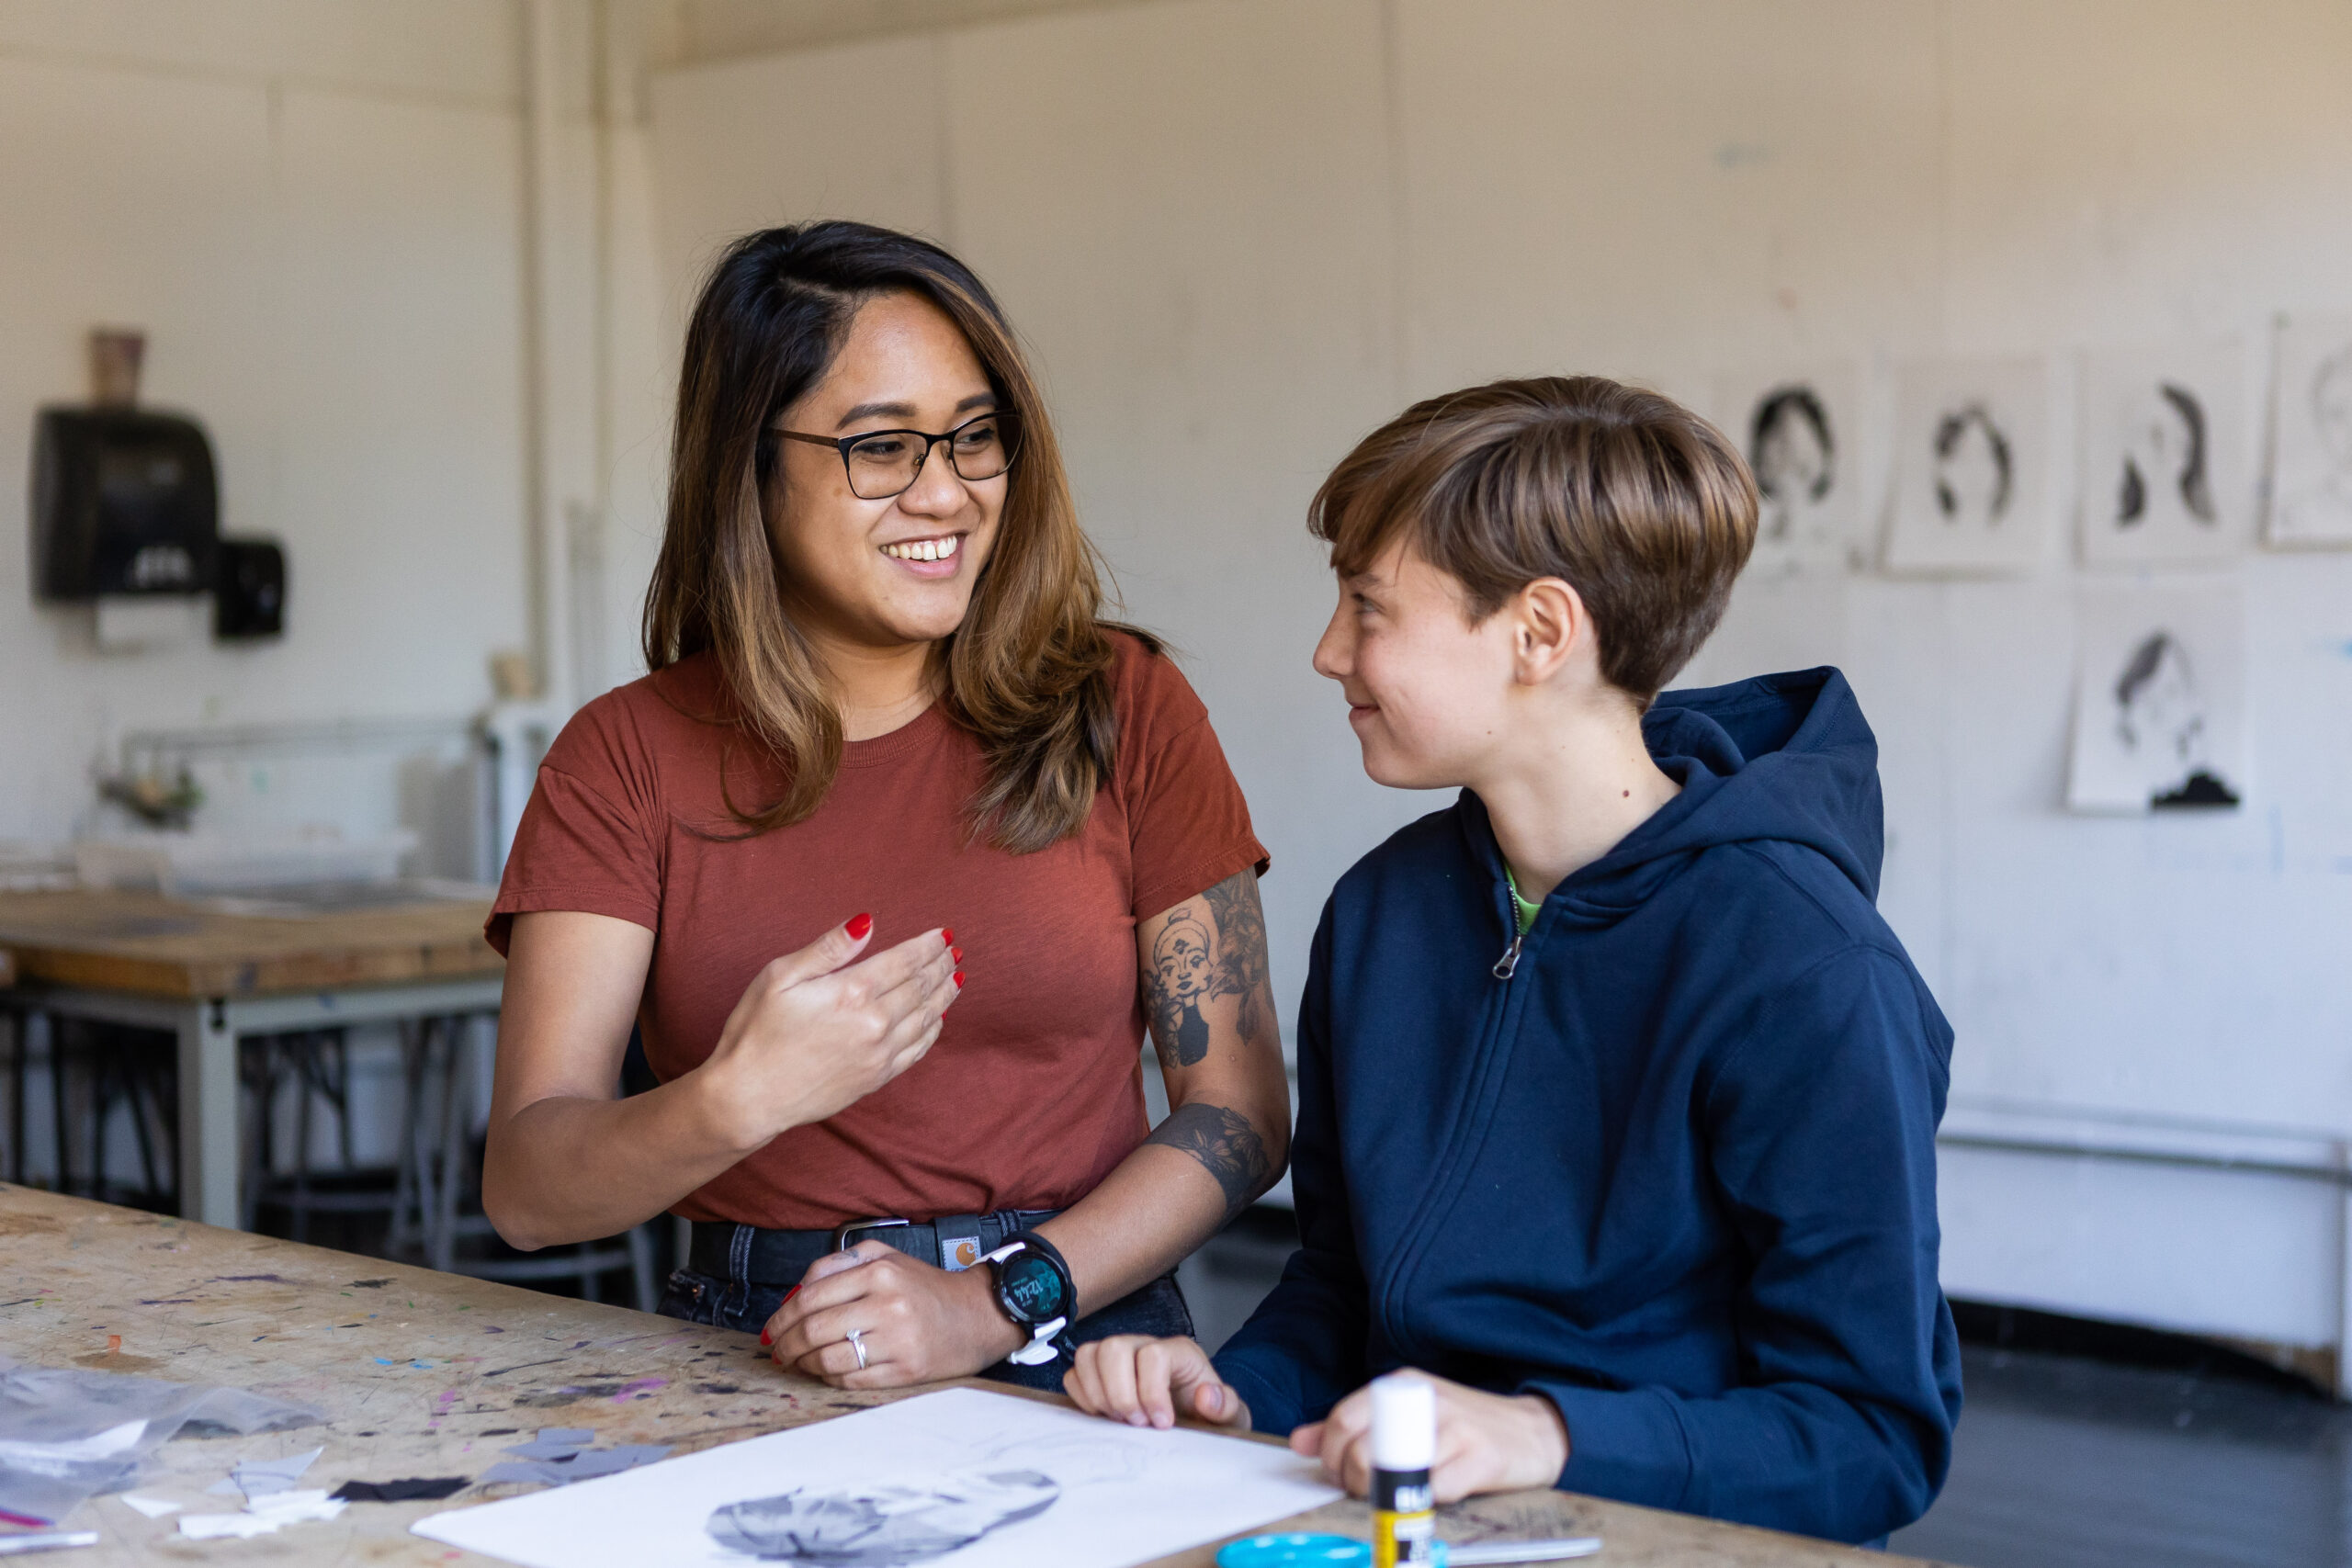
[857,1343]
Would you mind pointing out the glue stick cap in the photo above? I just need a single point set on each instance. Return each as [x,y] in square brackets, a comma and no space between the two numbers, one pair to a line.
[1404,1423]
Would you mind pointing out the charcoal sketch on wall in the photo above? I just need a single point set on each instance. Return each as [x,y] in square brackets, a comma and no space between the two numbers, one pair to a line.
[2160,699]
[2162,456]
[2311,483]
[1797,431]
[1971,466]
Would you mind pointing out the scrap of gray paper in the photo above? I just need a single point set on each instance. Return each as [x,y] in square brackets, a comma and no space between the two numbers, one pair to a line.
[260,1477]
[66,1435]
[559,1456]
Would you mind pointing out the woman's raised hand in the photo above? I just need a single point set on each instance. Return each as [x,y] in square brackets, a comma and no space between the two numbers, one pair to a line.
[818,1029]
[1150,1382]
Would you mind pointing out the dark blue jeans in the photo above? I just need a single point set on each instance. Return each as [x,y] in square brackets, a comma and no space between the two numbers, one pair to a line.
[1156,1309]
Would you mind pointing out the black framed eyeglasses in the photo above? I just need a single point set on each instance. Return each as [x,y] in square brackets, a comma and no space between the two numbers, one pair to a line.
[884,463]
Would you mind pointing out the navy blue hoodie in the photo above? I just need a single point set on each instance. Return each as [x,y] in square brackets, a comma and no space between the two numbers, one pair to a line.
[1676,1173]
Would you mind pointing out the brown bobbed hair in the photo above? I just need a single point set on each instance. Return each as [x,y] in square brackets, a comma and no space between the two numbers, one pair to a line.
[1028,671]
[1640,505]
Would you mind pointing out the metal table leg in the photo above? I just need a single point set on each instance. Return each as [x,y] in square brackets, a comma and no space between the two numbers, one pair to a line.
[209,1147]
[207,1030]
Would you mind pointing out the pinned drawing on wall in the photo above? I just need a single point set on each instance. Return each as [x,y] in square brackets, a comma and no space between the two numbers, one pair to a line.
[1797,429]
[961,1478]
[2160,699]
[1971,461]
[2311,480]
[2164,456]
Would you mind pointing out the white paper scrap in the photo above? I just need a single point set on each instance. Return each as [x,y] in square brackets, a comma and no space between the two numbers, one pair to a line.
[211,1527]
[153,1507]
[291,1507]
[962,1477]
[263,1516]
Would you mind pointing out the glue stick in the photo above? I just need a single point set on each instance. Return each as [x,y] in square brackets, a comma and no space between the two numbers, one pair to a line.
[1404,1446]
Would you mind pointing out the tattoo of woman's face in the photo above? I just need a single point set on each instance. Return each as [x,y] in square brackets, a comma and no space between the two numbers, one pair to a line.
[1183,962]
[1212,946]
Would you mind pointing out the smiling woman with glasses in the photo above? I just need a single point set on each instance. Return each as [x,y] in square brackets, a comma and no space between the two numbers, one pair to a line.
[886,860]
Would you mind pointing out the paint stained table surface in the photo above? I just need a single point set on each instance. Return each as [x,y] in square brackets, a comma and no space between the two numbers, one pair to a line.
[424,1375]
[170,947]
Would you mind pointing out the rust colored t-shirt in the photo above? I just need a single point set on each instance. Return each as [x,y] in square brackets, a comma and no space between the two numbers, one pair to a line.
[1033,1090]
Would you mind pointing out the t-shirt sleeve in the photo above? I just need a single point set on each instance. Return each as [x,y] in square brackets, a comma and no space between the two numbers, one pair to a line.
[585,841]
[1188,825]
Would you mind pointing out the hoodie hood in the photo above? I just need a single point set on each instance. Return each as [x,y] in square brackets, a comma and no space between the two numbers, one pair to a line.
[1778,757]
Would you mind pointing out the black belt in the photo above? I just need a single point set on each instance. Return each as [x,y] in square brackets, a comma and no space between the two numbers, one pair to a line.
[725,1250]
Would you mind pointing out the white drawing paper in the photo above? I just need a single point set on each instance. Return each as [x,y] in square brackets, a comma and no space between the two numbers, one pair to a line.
[2310,481]
[961,1478]
[1971,463]
[1798,429]
[2160,699]
[2164,472]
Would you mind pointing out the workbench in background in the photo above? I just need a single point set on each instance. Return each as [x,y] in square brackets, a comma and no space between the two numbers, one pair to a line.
[213,973]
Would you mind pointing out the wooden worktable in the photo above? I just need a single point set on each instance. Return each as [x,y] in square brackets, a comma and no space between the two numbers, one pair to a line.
[214,972]
[167,947]
[426,1374]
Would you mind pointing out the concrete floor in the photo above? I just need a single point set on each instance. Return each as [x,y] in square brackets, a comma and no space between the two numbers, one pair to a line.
[2065,1463]
[2059,1462]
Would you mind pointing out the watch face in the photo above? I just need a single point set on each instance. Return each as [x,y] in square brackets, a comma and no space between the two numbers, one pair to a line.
[1032,1287]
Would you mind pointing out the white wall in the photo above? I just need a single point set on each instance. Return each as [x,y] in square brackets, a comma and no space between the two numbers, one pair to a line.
[317,228]
[1240,234]
[320,216]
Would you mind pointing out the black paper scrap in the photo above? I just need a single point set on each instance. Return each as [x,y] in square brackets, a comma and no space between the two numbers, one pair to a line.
[414,1489]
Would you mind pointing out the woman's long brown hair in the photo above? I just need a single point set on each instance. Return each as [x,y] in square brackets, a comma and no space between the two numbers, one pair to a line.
[1028,671]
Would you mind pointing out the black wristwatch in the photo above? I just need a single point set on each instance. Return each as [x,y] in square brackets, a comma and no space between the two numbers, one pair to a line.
[1034,1289]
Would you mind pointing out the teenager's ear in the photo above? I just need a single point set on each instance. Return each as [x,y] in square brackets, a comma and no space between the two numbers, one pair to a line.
[1552,630]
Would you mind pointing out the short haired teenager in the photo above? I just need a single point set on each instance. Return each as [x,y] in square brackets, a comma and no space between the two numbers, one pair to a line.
[1617,1098]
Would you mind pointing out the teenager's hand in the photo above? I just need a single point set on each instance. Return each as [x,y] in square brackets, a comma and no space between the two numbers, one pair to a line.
[919,1323]
[1149,1382]
[817,1030]
[1486,1442]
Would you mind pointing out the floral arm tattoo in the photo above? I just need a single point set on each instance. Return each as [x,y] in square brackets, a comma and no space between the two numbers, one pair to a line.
[1212,946]
[1226,1145]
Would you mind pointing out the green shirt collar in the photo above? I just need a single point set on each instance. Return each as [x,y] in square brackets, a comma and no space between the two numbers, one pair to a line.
[1527,911]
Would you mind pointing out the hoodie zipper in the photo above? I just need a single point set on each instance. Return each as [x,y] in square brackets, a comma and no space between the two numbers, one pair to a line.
[1508,963]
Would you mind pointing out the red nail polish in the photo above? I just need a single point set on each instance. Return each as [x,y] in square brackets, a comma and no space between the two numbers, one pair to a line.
[956,954]
[790,1294]
[959,980]
[948,937]
[858,926]
[764,1337]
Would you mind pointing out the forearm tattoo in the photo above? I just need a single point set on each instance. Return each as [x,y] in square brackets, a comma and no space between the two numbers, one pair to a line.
[1212,946]
[1241,950]
[1226,1145]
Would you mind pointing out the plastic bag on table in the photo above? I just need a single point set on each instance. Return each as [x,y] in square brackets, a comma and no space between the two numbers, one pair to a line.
[65,1436]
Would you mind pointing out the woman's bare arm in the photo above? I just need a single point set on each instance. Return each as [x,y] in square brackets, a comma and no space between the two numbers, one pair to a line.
[567,1159]
[1228,1133]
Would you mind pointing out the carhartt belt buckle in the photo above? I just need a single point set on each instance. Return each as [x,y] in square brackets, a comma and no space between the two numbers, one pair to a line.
[849,1235]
